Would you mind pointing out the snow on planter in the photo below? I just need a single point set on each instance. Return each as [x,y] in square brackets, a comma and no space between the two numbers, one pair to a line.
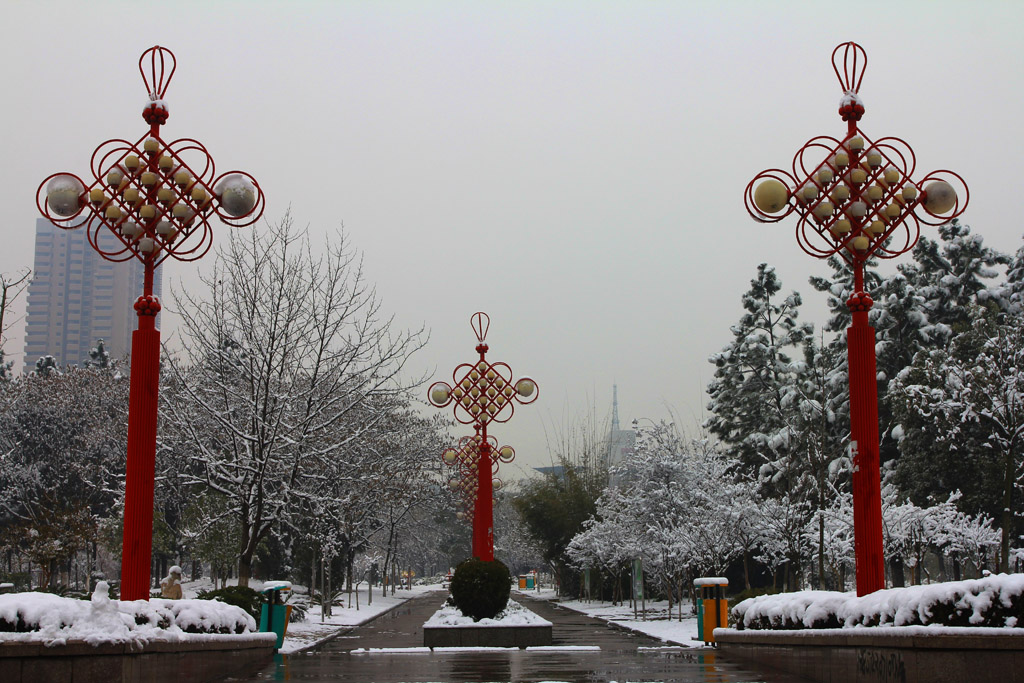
[513,615]
[993,601]
[55,620]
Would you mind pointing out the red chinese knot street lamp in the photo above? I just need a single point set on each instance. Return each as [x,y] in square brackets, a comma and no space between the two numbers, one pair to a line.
[856,198]
[482,393]
[156,198]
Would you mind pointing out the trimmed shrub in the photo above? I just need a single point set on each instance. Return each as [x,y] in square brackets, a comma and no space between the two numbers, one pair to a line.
[480,589]
[239,596]
[995,601]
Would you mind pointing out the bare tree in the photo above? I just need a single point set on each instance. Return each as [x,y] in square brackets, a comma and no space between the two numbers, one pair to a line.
[11,287]
[289,348]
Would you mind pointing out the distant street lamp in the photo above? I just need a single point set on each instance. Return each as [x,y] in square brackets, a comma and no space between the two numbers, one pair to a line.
[156,197]
[482,393]
[464,460]
[855,198]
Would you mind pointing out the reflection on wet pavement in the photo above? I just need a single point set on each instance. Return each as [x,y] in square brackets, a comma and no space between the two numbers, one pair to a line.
[623,656]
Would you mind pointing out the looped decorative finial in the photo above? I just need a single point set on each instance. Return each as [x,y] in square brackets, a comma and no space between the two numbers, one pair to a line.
[855,62]
[159,78]
[480,322]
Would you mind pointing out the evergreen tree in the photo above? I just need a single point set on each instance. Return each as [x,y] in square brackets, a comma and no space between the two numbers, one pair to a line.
[1012,295]
[753,375]
[951,276]
[46,366]
[98,356]
[944,448]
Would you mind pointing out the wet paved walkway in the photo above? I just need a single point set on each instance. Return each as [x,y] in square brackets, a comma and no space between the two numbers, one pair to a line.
[624,656]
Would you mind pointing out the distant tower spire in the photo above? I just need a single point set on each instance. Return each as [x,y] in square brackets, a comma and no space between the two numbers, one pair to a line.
[615,408]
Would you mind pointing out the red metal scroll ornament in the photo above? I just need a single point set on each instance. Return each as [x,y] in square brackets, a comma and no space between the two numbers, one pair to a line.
[856,197]
[150,200]
[483,392]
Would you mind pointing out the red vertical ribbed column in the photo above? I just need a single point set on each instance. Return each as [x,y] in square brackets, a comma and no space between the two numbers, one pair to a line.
[140,470]
[483,513]
[867,491]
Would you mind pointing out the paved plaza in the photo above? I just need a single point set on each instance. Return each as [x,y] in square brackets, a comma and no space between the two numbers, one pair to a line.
[397,637]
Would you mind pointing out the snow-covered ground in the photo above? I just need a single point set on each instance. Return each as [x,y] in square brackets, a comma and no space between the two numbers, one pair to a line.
[656,622]
[305,634]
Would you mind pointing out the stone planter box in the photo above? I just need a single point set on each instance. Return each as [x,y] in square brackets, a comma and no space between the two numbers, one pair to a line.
[199,659]
[519,627]
[886,654]
[486,636]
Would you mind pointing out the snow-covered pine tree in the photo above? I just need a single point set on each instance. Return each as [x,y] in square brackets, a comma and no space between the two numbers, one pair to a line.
[99,357]
[1012,295]
[753,374]
[952,276]
[46,366]
[961,409]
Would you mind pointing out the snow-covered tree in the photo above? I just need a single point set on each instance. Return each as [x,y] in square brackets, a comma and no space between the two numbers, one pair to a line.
[46,366]
[99,357]
[952,276]
[288,362]
[753,375]
[973,392]
[62,457]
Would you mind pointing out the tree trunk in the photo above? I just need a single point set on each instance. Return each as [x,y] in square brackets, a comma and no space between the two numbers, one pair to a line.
[1007,523]
[896,572]
[244,569]
[821,551]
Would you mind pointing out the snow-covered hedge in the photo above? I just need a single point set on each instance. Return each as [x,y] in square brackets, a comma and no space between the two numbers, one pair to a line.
[994,601]
[101,620]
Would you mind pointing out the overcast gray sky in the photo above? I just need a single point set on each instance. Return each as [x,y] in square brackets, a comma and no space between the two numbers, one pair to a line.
[575,169]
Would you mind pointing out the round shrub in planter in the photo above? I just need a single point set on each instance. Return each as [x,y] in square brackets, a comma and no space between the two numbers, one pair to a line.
[480,589]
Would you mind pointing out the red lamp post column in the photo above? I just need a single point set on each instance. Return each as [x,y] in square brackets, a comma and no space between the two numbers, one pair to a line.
[856,198]
[148,200]
[481,393]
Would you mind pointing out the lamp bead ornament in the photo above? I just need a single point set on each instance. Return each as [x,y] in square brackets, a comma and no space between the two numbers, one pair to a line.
[127,198]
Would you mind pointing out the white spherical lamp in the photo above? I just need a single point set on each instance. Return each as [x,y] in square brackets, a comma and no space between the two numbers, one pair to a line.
[770,196]
[64,195]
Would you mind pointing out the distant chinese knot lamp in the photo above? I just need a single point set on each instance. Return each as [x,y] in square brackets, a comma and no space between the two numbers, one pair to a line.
[156,198]
[481,393]
[856,198]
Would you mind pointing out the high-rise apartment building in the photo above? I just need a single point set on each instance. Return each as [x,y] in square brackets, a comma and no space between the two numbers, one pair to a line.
[76,297]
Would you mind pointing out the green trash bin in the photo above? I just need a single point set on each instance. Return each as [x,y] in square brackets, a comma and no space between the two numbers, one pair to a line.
[274,613]
[530,581]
